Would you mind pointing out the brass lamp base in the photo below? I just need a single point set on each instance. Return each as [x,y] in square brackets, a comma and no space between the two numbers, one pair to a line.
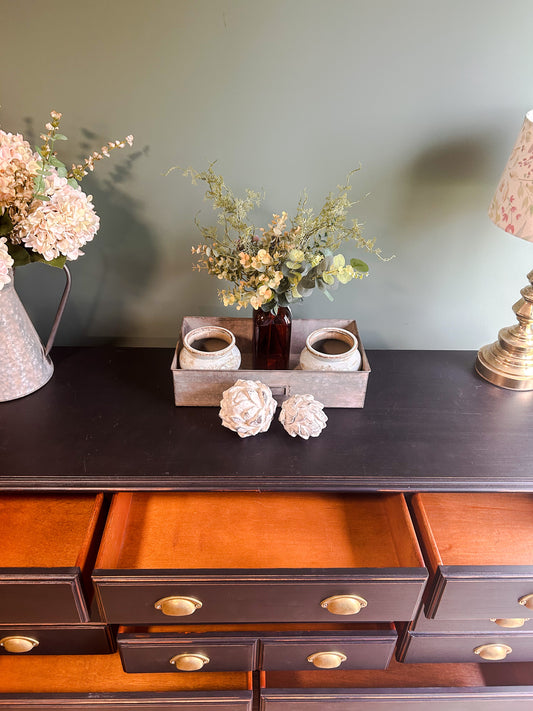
[509,361]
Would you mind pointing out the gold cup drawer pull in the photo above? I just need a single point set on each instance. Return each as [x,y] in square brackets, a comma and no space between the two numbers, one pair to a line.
[493,652]
[510,622]
[344,604]
[18,645]
[327,660]
[527,601]
[177,606]
[189,662]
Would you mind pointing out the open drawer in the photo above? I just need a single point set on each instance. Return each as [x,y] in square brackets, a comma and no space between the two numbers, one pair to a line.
[479,550]
[494,641]
[240,647]
[47,549]
[99,682]
[450,687]
[79,638]
[230,557]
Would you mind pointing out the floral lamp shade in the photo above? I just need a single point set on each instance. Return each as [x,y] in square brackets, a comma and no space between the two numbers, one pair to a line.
[512,205]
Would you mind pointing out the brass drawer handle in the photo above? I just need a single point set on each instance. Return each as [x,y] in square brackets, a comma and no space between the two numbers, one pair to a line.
[18,645]
[327,660]
[178,606]
[493,652]
[527,601]
[509,621]
[189,662]
[344,604]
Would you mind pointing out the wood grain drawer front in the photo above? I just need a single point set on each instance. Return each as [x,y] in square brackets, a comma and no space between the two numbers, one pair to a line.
[47,546]
[249,557]
[478,549]
[99,682]
[496,648]
[91,638]
[450,687]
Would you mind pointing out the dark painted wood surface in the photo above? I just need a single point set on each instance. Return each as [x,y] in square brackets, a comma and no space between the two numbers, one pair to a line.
[63,639]
[42,595]
[476,699]
[459,648]
[128,597]
[186,701]
[107,421]
[232,648]
[478,592]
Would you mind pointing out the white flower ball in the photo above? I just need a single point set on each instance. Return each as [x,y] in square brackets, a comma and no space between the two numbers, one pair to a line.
[302,415]
[247,408]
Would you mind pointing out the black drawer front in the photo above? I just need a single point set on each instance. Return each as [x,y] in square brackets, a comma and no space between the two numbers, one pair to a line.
[452,699]
[59,639]
[490,626]
[173,701]
[508,647]
[217,655]
[42,596]
[356,651]
[479,592]
[231,601]
[238,650]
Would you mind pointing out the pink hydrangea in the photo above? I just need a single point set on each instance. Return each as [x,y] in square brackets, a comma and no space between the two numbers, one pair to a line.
[18,167]
[61,225]
[5,263]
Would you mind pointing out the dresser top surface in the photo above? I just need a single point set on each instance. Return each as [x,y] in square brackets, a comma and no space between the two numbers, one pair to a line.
[107,421]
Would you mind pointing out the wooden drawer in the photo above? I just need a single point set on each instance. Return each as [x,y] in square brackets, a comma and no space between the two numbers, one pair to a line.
[495,625]
[449,687]
[495,648]
[99,682]
[479,552]
[89,638]
[47,549]
[257,557]
[155,649]
[243,647]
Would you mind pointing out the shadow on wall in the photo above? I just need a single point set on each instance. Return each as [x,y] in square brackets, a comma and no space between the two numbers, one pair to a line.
[438,199]
[114,269]
[446,180]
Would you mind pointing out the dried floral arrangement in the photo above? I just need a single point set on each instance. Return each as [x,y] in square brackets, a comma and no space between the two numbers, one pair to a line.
[44,215]
[281,265]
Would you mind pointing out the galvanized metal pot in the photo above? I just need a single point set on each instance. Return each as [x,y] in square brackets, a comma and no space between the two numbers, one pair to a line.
[25,364]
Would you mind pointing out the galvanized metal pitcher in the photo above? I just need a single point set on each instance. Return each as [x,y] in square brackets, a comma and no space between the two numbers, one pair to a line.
[25,364]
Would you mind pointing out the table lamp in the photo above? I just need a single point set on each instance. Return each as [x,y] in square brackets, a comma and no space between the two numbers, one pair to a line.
[509,361]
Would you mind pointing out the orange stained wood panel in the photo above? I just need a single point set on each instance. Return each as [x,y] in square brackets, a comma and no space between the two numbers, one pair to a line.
[282,628]
[476,528]
[43,530]
[258,530]
[399,675]
[103,673]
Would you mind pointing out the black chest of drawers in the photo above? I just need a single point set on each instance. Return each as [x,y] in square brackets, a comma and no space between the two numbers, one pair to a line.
[105,427]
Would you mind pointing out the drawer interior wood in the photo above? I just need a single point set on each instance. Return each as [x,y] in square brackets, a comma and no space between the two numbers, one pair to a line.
[275,628]
[475,528]
[240,530]
[46,531]
[400,675]
[103,673]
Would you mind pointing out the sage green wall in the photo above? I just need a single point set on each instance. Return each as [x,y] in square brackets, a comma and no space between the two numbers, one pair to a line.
[427,95]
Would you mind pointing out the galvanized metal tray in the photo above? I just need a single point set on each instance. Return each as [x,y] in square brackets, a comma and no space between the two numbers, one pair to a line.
[332,389]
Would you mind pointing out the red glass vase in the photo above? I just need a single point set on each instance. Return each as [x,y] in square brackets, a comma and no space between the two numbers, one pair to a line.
[271,342]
